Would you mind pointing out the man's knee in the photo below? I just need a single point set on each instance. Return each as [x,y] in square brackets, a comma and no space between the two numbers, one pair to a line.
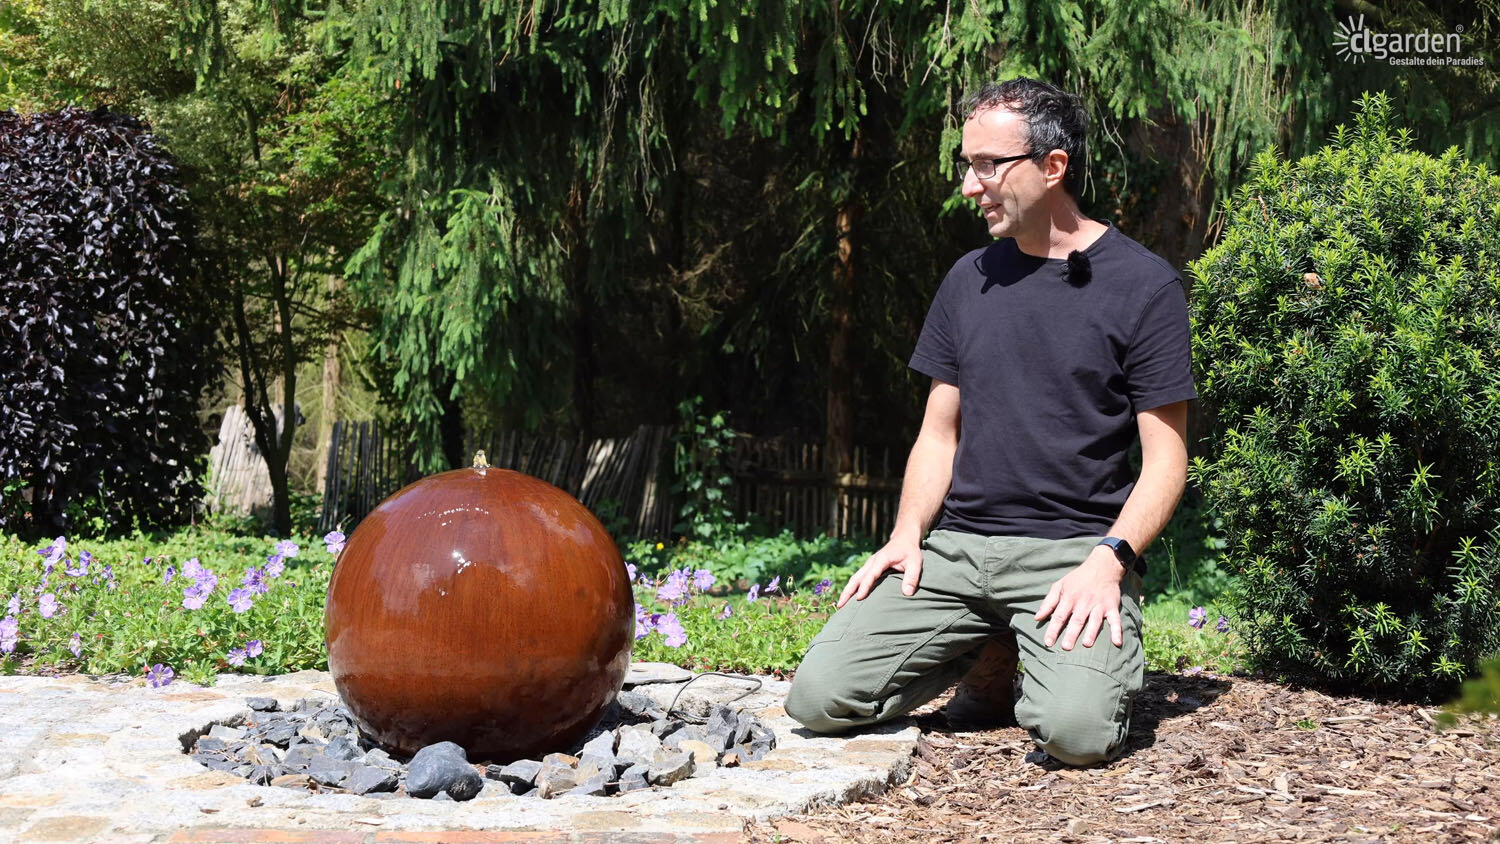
[816,700]
[1079,738]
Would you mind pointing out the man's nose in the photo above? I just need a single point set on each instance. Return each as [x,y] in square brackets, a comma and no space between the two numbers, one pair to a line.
[972,187]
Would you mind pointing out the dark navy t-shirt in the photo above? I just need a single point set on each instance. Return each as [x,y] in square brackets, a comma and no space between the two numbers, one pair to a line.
[1050,378]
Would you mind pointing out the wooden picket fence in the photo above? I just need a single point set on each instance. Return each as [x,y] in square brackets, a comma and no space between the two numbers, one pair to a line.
[626,480]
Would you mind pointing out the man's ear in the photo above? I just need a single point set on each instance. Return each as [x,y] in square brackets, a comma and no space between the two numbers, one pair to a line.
[1055,167]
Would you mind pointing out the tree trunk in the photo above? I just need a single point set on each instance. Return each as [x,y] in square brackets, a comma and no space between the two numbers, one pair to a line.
[839,439]
[331,385]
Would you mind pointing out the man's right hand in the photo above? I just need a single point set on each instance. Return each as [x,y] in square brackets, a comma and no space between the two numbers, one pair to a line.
[903,555]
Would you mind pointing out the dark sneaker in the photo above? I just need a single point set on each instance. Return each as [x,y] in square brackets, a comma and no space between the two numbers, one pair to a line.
[986,696]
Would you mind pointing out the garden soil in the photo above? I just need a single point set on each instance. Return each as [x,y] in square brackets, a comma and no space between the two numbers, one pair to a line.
[1210,758]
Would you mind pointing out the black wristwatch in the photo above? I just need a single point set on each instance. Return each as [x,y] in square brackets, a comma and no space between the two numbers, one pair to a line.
[1125,554]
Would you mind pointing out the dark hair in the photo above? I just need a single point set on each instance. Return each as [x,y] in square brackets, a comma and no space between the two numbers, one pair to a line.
[1055,119]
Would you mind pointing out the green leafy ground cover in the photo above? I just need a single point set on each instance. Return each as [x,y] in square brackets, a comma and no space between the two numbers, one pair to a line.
[197,602]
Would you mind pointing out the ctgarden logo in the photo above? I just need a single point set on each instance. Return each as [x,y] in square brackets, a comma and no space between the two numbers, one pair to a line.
[1356,43]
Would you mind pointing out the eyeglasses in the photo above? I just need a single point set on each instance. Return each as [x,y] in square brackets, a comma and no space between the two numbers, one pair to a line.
[984,168]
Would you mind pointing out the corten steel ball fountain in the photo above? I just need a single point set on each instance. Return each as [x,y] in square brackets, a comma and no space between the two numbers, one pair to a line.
[480,606]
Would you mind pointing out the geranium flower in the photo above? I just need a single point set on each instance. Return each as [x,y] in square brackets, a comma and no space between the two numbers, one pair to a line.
[630,571]
[823,586]
[774,584]
[725,613]
[192,568]
[48,605]
[54,552]
[14,604]
[168,575]
[255,581]
[275,565]
[334,541]
[703,580]
[75,644]
[671,628]
[253,648]
[754,593]
[1196,616]
[84,558]
[240,599]
[642,622]
[289,549]
[1223,625]
[194,596]
[159,675]
[235,657]
[10,631]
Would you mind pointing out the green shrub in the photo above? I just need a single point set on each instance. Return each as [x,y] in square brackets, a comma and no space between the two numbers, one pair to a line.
[1346,336]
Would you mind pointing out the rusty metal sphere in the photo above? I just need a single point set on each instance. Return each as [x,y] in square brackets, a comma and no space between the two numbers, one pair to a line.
[480,606]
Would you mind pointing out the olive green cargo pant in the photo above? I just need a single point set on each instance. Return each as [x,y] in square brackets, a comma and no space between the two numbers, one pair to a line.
[882,657]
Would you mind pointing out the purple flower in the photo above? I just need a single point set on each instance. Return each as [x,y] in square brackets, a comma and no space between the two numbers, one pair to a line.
[14,604]
[823,586]
[774,584]
[289,549]
[192,569]
[170,573]
[75,644]
[1196,616]
[10,630]
[239,599]
[255,581]
[253,648]
[84,558]
[236,657]
[630,571]
[207,581]
[334,540]
[725,613]
[675,589]
[754,592]
[194,596]
[642,622]
[703,579]
[671,628]
[1223,625]
[54,552]
[1194,671]
[275,565]
[48,605]
[159,675]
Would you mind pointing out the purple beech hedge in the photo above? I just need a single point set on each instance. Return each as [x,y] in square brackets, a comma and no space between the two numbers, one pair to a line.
[105,338]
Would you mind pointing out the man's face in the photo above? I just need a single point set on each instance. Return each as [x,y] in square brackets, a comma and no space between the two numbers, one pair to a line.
[1009,199]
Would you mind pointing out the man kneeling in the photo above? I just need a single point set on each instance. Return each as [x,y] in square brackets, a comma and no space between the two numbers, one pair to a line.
[1055,345]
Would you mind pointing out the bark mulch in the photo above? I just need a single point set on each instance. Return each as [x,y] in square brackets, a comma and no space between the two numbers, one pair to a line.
[1210,758]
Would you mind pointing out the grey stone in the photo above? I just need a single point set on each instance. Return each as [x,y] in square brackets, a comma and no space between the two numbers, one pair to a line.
[328,771]
[519,775]
[263,704]
[341,748]
[281,733]
[555,779]
[635,778]
[379,758]
[669,766]
[639,705]
[263,774]
[692,732]
[594,786]
[637,742]
[720,728]
[209,744]
[742,727]
[215,762]
[560,759]
[228,734]
[762,740]
[298,756]
[442,767]
[663,727]
[645,673]
[600,745]
[368,778]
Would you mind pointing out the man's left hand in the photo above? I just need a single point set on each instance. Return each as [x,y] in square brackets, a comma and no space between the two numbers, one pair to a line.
[1083,600]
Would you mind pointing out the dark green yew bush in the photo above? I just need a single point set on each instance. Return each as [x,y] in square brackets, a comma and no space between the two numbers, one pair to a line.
[1347,339]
